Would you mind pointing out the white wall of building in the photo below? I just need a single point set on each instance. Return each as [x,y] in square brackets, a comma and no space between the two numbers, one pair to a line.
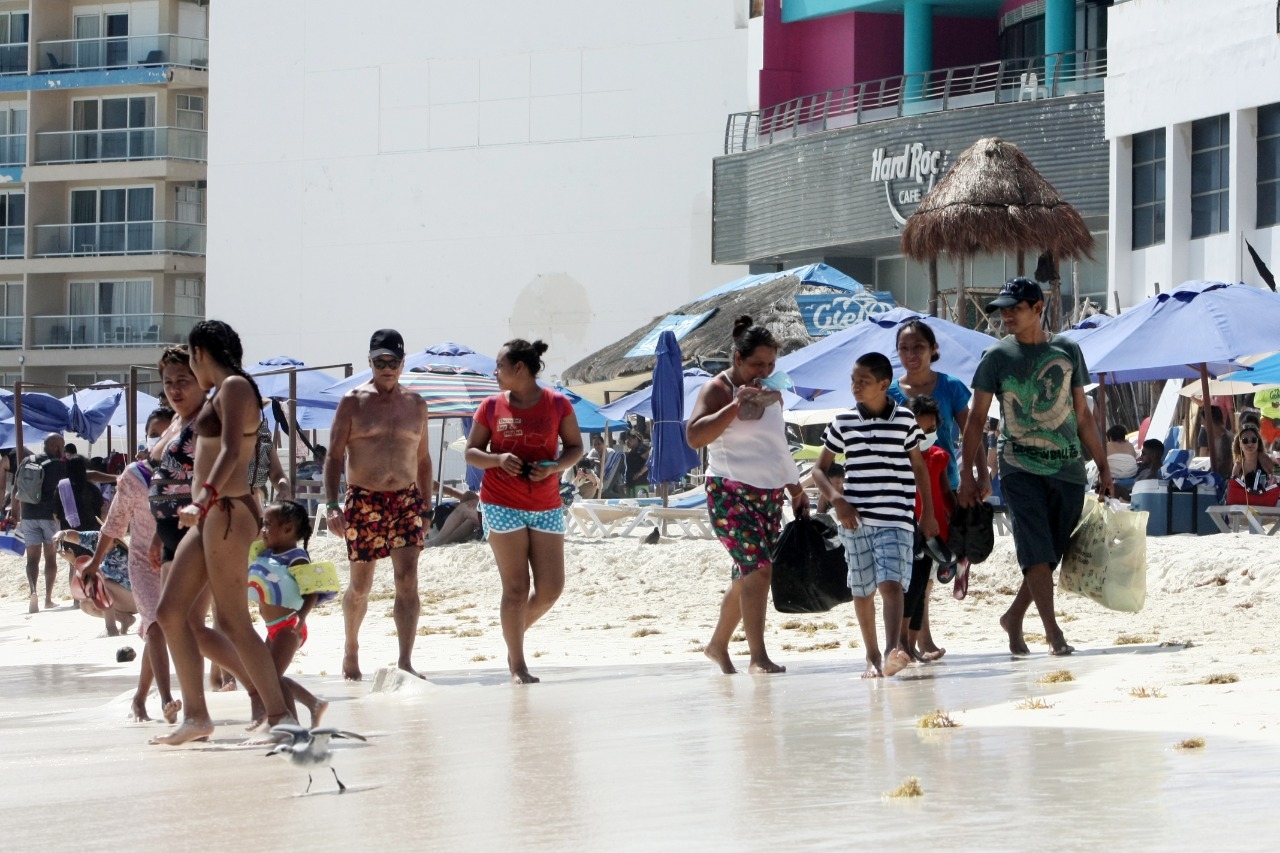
[1171,62]
[464,171]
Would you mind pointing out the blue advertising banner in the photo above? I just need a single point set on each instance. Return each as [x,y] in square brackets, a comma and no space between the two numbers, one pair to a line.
[681,324]
[825,313]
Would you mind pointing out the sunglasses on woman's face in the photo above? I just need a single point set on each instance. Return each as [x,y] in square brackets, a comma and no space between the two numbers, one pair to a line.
[1248,441]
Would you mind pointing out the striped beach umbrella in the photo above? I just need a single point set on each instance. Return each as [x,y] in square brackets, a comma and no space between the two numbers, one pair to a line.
[450,392]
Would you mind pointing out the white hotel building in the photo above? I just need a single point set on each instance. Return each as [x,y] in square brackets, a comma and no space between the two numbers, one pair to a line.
[1193,123]
[468,171]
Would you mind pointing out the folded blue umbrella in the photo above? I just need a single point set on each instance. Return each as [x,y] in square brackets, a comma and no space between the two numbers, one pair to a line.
[42,412]
[670,456]
[91,421]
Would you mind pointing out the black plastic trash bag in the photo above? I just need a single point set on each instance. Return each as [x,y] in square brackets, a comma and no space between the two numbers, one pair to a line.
[809,570]
[973,534]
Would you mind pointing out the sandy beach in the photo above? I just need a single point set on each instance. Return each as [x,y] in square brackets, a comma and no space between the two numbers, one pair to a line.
[636,615]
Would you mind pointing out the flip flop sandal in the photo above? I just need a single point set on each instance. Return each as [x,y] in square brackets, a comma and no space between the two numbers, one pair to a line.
[961,588]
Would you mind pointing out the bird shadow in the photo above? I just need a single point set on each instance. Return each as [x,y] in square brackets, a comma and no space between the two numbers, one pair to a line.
[351,789]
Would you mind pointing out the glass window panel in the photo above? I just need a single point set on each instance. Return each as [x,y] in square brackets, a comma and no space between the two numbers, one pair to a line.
[115,113]
[17,205]
[1203,210]
[1224,211]
[84,206]
[141,206]
[84,115]
[142,112]
[1269,158]
[1268,194]
[1158,218]
[1269,120]
[1143,229]
[82,299]
[112,206]
[1204,172]
[1159,180]
[1144,189]
[1158,136]
[1143,147]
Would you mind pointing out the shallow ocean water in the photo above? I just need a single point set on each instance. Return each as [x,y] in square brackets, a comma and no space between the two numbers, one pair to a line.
[637,757]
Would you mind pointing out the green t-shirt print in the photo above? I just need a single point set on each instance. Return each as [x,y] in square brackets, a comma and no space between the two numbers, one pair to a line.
[1038,429]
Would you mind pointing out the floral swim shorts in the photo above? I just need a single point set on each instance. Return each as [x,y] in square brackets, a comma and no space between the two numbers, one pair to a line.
[747,521]
[380,522]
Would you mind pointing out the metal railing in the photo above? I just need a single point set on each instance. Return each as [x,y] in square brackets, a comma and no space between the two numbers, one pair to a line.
[139,143]
[1002,81]
[123,52]
[13,243]
[113,330]
[119,238]
[10,333]
[13,58]
[13,149]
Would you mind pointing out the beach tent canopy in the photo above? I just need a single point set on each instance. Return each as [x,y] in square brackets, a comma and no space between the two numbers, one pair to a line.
[771,304]
[1174,334]
[641,402]
[310,384]
[1265,372]
[828,363]
[445,353]
[588,413]
[820,274]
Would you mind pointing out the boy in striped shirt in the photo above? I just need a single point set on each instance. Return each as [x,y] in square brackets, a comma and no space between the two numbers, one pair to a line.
[875,504]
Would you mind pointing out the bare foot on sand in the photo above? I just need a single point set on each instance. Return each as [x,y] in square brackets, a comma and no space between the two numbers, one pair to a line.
[930,655]
[127,622]
[49,605]
[34,607]
[267,738]
[170,710]
[1017,645]
[520,675]
[897,661]
[317,712]
[405,666]
[255,724]
[764,666]
[112,632]
[185,733]
[1059,647]
[873,669]
[351,667]
[138,713]
[228,685]
[721,658]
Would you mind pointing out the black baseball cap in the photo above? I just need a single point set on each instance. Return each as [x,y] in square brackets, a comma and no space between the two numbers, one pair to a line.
[386,342]
[1015,290]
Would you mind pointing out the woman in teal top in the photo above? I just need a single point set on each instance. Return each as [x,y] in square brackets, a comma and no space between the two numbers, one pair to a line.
[918,350]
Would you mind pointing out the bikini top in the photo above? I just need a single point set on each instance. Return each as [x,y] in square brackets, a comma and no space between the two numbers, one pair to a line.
[207,423]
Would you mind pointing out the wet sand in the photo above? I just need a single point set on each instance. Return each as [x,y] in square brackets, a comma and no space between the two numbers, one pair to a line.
[634,742]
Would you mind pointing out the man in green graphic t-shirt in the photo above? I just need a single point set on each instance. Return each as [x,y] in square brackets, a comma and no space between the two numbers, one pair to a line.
[1039,381]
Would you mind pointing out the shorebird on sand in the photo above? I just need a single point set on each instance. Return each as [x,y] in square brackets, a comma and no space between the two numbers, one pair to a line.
[309,748]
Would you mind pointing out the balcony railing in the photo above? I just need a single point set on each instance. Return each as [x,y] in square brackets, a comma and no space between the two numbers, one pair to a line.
[142,143]
[114,330]
[123,52]
[12,242]
[10,333]
[13,58]
[119,238]
[13,149]
[1003,81]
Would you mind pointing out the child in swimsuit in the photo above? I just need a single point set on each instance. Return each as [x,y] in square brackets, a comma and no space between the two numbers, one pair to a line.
[286,586]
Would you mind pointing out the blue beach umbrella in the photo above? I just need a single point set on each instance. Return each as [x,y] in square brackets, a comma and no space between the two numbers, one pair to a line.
[826,364]
[91,420]
[588,413]
[42,412]
[641,402]
[311,384]
[670,456]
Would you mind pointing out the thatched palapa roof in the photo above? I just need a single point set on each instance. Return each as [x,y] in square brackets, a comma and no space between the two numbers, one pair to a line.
[993,200]
[772,305]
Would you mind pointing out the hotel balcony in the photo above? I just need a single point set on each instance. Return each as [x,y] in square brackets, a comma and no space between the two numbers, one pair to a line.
[13,243]
[939,90]
[119,238]
[95,54]
[102,146]
[77,331]
[13,58]
[10,333]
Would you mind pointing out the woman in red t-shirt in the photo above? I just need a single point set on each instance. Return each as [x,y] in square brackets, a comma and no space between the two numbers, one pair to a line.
[514,439]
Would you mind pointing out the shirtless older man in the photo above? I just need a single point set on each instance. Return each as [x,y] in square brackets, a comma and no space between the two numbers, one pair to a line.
[380,433]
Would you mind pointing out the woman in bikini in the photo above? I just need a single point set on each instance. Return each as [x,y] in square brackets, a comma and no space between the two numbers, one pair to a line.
[222,519]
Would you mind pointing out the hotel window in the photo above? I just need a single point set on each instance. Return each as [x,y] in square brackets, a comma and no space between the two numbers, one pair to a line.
[13,134]
[190,112]
[10,316]
[1210,175]
[1148,188]
[14,27]
[188,297]
[13,216]
[1268,165]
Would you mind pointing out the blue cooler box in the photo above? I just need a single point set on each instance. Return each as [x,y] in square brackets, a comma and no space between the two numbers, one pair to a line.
[1173,511]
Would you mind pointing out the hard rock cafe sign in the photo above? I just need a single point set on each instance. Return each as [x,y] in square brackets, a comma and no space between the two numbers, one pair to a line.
[906,176]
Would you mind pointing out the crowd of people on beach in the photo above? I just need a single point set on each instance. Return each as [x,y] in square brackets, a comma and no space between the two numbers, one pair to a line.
[186,536]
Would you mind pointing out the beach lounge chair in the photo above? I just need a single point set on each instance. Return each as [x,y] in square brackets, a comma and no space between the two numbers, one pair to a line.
[606,518]
[1232,518]
[694,522]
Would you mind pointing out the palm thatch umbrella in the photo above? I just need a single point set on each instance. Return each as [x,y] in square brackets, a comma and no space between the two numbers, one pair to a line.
[993,200]
[772,305]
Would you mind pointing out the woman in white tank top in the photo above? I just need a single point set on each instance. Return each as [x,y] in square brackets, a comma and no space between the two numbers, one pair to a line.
[749,466]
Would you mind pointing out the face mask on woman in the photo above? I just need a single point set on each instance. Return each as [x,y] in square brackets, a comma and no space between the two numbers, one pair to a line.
[930,438]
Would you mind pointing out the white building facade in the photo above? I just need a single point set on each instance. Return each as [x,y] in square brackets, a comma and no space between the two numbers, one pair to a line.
[465,171]
[1193,124]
